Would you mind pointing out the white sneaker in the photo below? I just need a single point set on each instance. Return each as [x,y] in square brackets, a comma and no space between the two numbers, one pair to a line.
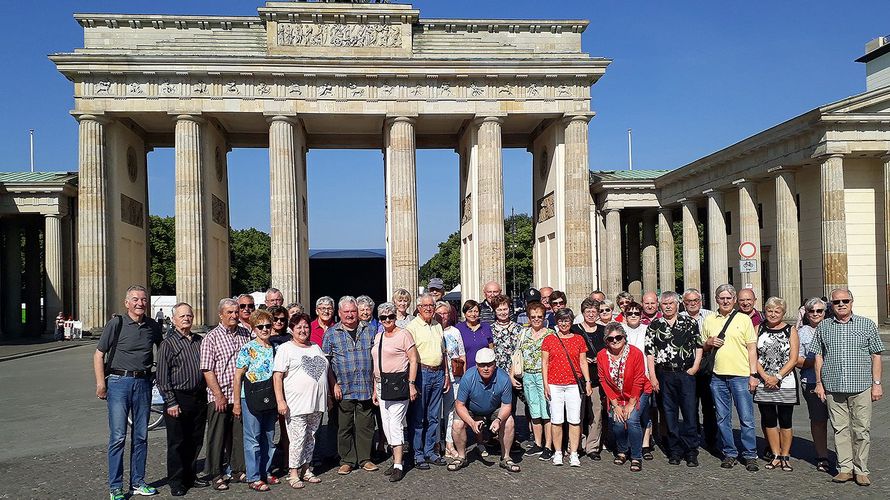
[574,461]
[557,459]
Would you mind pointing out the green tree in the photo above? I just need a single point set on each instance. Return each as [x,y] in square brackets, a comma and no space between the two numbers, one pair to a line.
[251,255]
[518,238]
[162,248]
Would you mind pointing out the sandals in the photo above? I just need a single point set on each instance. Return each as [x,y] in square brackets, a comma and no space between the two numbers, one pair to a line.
[457,464]
[636,465]
[786,463]
[822,465]
[258,486]
[647,453]
[295,482]
[775,463]
[620,459]
[220,483]
[270,479]
[310,477]
[509,466]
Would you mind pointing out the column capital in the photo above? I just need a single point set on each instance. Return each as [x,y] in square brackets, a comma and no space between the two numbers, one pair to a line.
[689,202]
[782,169]
[713,193]
[95,117]
[489,118]
[823,156]
[744,183]
[665,210]
[886,157]
[181,116]
[578,117]
[390,119]
[279,117]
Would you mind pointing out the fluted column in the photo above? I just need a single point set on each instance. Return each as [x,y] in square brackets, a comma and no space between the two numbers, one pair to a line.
[33,278]
[749,230]
[52,242]
[886,161]
[576,192]
[718,265]
[491,202]
[666,275]
[285,228]
[12,277]
[834,235]
[787,242]
[191,244]
[634,272]
[92,224]
[691,250]
[650,254]
[613,249]
[401,205]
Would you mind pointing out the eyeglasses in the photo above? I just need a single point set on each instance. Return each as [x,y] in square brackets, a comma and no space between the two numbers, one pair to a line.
[279,320]
[246,306]
[265,326]
[632,313]
[557,302]
[841,301]
[724,298]
[388,317]
[616,338]
[624,303]
[691,301]
[817,311]
[426,305]
[536,317]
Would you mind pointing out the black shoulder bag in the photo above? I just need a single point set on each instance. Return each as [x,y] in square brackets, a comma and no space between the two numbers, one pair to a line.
[393,385]
[112,348]
[706,367]
[260,396]
[581,387]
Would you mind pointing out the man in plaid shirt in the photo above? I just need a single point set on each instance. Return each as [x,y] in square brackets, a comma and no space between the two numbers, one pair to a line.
[219,348]
[848,376]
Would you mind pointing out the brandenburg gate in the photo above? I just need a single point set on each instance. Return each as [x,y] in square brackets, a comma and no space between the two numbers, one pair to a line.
[325,75]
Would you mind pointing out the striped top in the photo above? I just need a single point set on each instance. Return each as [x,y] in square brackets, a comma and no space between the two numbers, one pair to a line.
[179,366]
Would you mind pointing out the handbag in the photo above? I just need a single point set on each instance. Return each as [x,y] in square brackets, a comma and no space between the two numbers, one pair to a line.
[706,367]
[581,390]
[260,396]
[393,385]
[516,359]
[458,367]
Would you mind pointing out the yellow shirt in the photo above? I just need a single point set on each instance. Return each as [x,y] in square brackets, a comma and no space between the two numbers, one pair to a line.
[429,340]
[732,358]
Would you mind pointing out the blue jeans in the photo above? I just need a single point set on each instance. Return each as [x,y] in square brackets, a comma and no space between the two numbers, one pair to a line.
[629,434]
[728,390]
[127,395]
[425,412]
[678,397]
[259,430]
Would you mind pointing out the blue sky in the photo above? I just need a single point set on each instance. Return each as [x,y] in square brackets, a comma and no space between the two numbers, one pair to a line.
[690,77]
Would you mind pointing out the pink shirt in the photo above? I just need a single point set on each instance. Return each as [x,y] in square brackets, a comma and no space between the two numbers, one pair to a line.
[395,351]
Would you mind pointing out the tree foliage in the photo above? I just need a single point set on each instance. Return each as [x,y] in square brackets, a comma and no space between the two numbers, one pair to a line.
[251,260]
[518,238]
[162,248]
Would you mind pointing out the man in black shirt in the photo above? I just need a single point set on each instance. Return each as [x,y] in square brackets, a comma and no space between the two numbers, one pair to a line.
[185,398]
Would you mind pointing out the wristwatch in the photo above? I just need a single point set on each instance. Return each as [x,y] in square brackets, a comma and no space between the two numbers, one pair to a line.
[412,382]
[876,382]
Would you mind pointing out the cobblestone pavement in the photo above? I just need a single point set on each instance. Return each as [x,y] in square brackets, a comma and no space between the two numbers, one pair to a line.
[54,448]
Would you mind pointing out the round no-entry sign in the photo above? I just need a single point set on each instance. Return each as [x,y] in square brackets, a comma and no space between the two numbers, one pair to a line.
[747,250]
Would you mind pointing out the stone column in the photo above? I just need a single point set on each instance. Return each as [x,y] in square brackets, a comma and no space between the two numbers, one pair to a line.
[285,228]
[691,250]
[886,161]
[576,192]
[613,249]
[92,224]
[52,242]
[749,230]
[718,265]
[191,244]
[834,234]
[650,254]
[33,277]
[666,274]
[490,199]
[401,205]
[12,278]
[634,273]
[787,242]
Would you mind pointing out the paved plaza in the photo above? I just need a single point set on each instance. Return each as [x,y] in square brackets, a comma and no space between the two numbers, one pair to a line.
[54,433]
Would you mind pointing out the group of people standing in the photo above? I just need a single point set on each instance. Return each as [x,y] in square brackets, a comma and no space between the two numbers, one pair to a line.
[616,375]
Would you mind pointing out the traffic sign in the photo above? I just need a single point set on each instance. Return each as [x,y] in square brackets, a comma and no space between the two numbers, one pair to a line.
[748,265]
[747,250]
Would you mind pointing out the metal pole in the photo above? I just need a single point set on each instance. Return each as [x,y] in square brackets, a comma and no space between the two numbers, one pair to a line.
[513,247]
[630,154]
[31,137]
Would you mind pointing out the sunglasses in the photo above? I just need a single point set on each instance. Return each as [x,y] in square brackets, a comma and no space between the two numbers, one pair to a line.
[606,310]
[279,320]
[557,302]
[265,326]
[388,317]
[841,301]
[632,313]
[536,317]
[616,338]
[246,306]
[817,311]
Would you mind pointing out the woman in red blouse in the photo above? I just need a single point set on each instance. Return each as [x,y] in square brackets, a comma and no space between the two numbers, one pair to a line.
[622,372]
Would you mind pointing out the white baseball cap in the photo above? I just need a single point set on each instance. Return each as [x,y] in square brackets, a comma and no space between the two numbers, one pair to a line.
[484,355]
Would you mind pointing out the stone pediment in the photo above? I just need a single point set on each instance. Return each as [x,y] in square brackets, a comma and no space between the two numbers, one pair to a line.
[875,101]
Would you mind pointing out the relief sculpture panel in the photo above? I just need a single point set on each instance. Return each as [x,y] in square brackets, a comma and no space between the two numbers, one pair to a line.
[339,35]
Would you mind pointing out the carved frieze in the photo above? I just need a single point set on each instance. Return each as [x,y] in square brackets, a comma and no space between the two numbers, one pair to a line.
[132,211]
[218,211]
[466,209]
[545,208]
[338,35]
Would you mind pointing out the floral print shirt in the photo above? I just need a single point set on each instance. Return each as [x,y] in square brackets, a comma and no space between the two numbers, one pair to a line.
[673,346]
[531,349]
[504,338]
[258,360]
